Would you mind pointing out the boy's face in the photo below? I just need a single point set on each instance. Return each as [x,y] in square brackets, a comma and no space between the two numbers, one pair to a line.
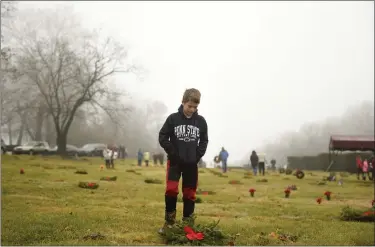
[189,108]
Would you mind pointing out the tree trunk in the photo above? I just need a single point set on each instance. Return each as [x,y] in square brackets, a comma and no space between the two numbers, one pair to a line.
[62,130]
[61,142]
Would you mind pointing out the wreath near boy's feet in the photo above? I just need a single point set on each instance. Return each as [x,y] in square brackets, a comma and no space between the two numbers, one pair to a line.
[185,232]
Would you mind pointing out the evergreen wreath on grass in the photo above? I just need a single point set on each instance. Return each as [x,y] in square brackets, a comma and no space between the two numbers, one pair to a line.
[153,181]
[81,172]
[88,185]
[300,174]
[185,234]
[351,214]
[109,178]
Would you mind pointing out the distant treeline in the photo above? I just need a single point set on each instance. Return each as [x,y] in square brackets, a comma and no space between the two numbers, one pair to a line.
[342,162]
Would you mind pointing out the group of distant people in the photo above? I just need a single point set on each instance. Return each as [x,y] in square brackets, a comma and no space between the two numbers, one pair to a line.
[145,157]
[258,163]
[113,152]
[122,152]
[110,154]
[365,168]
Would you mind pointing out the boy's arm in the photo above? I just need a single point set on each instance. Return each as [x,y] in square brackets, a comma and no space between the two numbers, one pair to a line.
[164,135]
[203,139]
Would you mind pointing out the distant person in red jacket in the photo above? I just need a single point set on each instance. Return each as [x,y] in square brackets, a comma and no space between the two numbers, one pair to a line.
[359,164]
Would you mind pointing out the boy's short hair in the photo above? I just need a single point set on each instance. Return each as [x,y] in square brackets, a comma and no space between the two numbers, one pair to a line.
[192,95]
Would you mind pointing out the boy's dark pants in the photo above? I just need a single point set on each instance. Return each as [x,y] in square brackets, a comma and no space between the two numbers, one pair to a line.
[261,168]
[189,174]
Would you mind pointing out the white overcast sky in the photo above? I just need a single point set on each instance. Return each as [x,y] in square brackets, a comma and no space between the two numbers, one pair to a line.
[263,68]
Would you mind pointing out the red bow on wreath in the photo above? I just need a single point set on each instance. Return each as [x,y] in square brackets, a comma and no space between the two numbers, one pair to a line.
[191,235]
[368,213]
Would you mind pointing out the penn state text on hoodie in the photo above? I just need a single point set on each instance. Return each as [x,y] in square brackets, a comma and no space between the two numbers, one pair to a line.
[184,139]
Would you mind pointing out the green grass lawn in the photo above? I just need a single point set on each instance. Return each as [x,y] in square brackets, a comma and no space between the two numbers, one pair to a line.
[45,206]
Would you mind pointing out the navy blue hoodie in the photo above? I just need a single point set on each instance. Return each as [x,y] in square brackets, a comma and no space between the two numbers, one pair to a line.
[184,139]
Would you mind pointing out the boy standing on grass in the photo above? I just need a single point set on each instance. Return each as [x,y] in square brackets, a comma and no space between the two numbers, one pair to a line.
[184,138]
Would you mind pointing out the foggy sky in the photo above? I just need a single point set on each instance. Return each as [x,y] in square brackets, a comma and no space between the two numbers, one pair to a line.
[263,68]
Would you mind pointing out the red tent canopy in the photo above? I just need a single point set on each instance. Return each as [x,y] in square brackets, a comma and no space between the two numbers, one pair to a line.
[352,143]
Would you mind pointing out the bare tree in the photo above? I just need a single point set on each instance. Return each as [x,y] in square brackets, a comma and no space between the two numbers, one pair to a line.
[68,65]
[13,96]
[6,113]
[7,10]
